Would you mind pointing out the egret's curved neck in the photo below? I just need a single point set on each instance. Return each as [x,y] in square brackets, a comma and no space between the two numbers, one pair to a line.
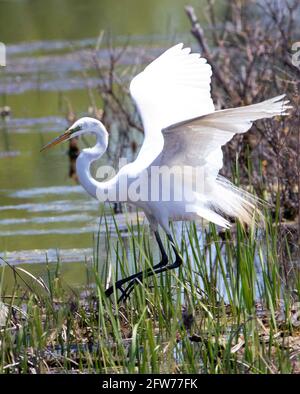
[86,158]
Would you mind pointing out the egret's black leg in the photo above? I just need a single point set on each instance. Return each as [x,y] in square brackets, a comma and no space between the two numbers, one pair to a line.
[156,270]
[139,275]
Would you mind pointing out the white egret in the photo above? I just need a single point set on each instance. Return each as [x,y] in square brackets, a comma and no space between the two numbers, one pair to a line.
[181,129]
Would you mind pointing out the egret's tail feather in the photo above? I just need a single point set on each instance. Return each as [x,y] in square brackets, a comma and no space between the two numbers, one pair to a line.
[208,214]
[237,203]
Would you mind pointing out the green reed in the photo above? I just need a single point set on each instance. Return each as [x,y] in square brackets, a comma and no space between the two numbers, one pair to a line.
[228,309]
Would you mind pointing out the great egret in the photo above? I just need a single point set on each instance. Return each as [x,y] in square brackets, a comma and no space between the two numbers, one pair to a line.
[182,129]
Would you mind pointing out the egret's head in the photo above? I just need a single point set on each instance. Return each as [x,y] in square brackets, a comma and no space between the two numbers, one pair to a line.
[81,126]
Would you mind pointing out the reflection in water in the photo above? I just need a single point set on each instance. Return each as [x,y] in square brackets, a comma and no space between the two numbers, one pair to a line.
[52,255]
[55,190]
[54,206]
[47,219]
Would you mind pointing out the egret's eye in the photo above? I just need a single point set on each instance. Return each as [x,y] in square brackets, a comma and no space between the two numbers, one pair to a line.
[77,128]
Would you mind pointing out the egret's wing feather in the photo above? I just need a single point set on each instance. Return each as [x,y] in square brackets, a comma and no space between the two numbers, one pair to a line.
[197,143]
[173,88]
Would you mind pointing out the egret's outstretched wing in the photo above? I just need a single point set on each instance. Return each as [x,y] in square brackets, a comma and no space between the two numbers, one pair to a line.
[197,143]
[173,88]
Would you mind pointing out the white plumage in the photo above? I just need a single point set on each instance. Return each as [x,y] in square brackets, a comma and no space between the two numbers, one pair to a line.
[174,87]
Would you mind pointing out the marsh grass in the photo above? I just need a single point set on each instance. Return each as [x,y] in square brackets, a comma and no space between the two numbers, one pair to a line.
[231,308]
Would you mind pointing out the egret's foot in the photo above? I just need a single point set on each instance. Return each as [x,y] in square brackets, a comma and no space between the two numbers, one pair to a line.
[135,278]
[110,290]
[125,292]
[128,290]
[118,285]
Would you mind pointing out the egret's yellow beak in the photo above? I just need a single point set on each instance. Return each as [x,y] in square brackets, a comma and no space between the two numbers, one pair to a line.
[57,140]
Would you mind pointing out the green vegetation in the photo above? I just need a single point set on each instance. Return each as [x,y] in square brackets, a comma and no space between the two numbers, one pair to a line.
[233,307]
